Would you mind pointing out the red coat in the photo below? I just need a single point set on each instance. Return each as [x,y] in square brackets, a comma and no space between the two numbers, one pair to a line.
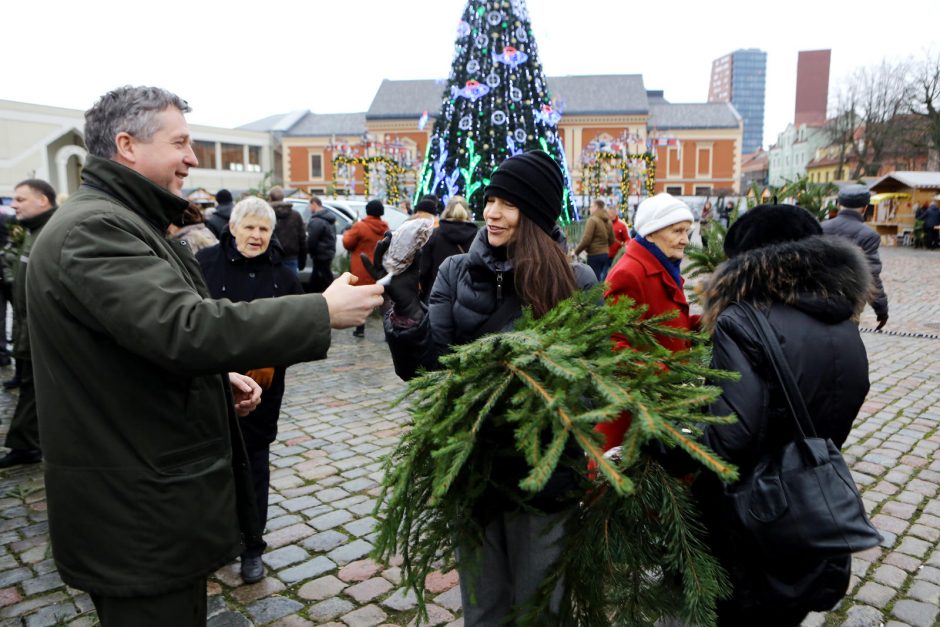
[621,237]
[639,275]
[362,237]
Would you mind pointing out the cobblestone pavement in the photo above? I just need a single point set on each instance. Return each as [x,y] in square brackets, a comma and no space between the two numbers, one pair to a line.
[337,424]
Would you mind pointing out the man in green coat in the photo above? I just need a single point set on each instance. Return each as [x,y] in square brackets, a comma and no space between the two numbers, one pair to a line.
[34,203]
[147,482]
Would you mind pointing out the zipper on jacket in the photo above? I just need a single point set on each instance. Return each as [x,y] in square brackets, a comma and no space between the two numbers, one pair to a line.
[499,287]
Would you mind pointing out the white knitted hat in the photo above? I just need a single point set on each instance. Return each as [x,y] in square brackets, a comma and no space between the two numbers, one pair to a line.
[659,211]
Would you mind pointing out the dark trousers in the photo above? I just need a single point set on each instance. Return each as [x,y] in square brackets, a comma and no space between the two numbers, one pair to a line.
[6,296]
[24,428]
[599,264]
[185,607]
[320,277]
[259,463]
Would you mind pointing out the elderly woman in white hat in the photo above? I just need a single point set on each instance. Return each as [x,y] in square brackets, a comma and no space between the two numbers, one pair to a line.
[648,272]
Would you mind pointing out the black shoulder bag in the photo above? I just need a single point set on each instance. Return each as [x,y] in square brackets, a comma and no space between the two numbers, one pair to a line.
[800,500]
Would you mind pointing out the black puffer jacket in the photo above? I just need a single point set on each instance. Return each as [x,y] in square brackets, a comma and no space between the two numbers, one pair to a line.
[218,221]
[231,275]
[850,224]
[813,291]
[462,300]
[451,237]
[290,232]
[321,237]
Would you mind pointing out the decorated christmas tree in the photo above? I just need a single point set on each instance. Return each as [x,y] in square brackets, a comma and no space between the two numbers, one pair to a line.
[496,104]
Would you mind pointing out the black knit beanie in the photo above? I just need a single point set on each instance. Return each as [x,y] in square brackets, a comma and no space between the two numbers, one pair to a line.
[426,205]
[532,181]
[769,224]
[375,208]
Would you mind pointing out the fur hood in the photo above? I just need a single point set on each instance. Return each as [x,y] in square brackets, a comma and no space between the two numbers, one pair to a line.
[826,277]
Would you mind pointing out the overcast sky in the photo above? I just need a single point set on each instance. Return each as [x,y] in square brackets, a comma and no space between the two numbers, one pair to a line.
[237,61]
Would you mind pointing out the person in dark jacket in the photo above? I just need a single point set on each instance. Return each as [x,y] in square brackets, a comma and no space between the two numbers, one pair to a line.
[290,231]
[853,199]
[812,290]
[453,236]
[146,474]
[218,221]
[34,201]
[243,267]
[491,283]
[321,244]
[597,239]
[931,222]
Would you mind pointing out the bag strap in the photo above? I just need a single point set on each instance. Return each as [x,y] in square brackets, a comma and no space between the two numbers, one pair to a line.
[765,332]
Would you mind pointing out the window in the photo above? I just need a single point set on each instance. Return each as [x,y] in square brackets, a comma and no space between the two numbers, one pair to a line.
[205,154]
[675,190]
[254,159]
[316,166]
[703,190]
[233,157]
[704,167]
[674,162]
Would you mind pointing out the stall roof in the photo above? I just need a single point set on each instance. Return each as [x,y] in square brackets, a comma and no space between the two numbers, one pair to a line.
[906,180]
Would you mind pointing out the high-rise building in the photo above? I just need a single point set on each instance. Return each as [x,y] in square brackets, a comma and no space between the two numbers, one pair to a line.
[739,78]
[812,87]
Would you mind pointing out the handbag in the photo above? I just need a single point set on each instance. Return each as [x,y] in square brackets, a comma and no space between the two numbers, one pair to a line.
[800,501]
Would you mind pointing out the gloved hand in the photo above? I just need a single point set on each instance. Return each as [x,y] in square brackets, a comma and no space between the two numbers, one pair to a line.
[402,290]
[262,376]
[882,320]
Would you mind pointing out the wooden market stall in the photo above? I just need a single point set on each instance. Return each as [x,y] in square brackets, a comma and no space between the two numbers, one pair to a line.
[895,197]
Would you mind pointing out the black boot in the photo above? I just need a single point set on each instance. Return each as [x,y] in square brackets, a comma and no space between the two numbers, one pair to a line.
[18,456]
[15,381]
[252,570]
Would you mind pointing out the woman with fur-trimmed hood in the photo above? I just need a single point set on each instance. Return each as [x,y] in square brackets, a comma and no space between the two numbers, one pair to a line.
[812,289]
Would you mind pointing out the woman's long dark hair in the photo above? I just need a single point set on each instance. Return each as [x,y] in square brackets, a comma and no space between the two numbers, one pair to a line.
[542,274]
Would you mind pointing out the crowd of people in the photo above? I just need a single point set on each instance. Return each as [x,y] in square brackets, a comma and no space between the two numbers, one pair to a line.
[157,459]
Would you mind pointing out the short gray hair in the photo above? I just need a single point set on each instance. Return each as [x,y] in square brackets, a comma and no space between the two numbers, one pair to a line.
[131,110]
[252,207]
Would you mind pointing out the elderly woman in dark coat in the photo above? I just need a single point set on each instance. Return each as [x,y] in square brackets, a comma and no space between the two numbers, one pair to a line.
[812,290]
[244,266]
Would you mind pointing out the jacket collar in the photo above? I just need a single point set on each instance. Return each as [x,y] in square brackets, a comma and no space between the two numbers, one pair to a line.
[851,214]
[133,190]
[37,222]
[652,267]
[482,254]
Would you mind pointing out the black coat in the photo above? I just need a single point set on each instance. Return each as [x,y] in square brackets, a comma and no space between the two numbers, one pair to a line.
[321,237]
[814,290]
[463,298]
[230,275]
[218,221]
[290,232]
[850,224]
[451,237]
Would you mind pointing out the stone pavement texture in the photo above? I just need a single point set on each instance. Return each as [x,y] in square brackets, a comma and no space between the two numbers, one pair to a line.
[337,424]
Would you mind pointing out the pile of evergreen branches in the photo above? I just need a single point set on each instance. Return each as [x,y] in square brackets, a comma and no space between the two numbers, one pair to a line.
[635,552]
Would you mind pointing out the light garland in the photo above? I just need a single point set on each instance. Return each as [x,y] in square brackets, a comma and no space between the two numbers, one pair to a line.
[393,173]
[593,167]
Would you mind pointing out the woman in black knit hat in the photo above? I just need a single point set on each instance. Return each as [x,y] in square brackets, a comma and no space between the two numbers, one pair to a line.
[811,288]
[513,262]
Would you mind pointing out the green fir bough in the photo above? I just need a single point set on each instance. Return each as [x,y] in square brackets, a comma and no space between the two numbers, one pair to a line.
[547,384]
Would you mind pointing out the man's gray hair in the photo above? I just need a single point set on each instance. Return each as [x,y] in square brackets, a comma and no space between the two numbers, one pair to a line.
[252,207]
[131,110]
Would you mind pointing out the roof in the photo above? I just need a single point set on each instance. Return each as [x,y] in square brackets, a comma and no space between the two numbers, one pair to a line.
[612,94]
[907,179]
[406,99]
[272,123]
[314,124]
[615,94]
[694,115]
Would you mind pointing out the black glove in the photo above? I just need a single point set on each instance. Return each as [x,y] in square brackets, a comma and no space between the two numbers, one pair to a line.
[882,320]
[402,290]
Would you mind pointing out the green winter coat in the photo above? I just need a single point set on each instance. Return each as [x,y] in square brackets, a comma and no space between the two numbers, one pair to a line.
[20,329]
[146,478]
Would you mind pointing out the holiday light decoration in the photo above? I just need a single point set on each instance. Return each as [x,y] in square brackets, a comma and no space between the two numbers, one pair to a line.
[636,170]
[496,104]
[393,173]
